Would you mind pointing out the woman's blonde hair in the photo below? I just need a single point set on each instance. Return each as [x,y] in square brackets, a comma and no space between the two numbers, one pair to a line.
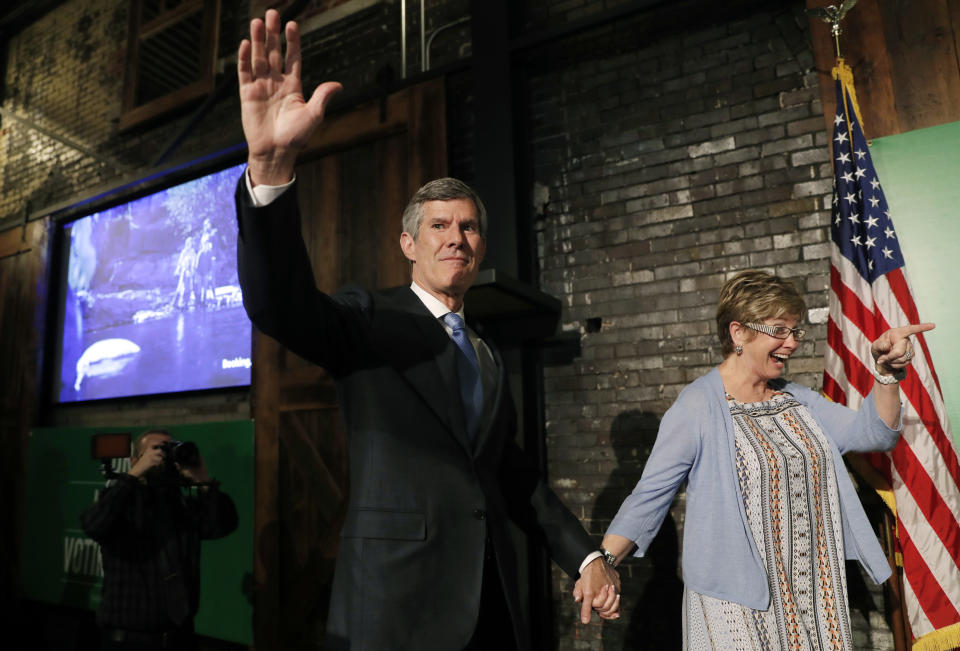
[753,296]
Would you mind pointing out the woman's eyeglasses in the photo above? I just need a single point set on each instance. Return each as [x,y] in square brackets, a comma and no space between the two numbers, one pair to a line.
[778,331]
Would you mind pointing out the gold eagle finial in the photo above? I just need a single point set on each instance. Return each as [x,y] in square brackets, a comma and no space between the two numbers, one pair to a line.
[833,15]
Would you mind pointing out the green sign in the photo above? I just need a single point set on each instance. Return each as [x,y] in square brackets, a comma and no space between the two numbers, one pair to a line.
[918,171]
[62,566]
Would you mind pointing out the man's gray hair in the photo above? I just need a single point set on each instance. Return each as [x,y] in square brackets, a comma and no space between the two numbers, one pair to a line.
[445,189]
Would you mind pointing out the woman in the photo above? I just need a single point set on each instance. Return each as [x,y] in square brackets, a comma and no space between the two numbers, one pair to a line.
[771,513]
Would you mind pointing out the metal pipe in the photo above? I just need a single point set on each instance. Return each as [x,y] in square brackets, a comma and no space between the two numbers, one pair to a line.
[423,32]
[403,39]
[426,57]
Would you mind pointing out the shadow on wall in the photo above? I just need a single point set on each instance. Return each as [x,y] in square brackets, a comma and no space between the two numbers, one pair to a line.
[652,590]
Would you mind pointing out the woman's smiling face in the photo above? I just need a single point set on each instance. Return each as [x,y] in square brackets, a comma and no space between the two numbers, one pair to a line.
[763,354]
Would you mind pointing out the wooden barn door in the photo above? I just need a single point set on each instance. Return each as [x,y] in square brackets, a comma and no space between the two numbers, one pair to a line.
[354,181]
[23,263]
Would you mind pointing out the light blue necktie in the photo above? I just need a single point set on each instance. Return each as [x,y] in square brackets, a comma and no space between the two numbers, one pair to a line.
[468,372]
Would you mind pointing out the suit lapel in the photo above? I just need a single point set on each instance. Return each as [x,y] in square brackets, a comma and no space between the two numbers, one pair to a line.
[419,349]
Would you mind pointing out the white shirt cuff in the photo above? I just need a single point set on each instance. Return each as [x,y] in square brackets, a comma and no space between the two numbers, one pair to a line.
[263,195]
[592,556]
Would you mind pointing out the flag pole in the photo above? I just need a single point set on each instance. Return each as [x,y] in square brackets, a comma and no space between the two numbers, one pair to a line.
[835,30]
[893,590]
[896,610]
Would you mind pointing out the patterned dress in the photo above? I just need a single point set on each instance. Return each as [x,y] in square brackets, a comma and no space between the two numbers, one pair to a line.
[786,473]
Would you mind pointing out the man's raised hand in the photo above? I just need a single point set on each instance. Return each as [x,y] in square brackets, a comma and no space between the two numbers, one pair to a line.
[277,120]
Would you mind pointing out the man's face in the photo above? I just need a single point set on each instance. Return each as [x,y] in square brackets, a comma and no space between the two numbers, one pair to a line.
[448,249]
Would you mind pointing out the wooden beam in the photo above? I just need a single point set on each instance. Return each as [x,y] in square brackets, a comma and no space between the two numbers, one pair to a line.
[23,238]
[168,18]
[360,125]
[863,46]
[168,102]
[266,521]
[955,26]
[921,46]
[905,60]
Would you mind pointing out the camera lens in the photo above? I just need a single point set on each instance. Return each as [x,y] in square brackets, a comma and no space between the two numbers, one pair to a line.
[186,454]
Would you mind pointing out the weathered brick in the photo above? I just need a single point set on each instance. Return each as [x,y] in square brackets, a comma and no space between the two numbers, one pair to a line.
[808,157]
[787,144]
[792,207]
[810,125]
[784,115]
[816,251]
[712,147]
[813,188]
[661,215]
[736,156]
[739,185]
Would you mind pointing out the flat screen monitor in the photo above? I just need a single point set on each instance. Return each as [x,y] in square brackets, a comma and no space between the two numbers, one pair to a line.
[149,301]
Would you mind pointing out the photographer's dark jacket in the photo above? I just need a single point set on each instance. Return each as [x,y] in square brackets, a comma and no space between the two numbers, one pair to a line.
[147,532]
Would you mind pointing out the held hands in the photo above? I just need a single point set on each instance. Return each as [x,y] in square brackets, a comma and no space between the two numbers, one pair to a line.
[598,588]
[892,351]
[277,121]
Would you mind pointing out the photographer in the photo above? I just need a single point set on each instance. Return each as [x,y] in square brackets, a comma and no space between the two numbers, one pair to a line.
[149,530]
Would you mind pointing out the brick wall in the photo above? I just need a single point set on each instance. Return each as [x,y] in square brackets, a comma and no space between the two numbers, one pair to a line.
[662,166]
[65,73]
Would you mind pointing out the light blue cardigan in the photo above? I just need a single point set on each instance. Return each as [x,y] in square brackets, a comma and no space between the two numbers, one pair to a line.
[695,442]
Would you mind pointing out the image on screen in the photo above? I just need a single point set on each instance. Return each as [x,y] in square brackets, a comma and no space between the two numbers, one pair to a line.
[151,301]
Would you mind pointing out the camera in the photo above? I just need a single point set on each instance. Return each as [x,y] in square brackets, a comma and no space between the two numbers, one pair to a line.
[113,451]
[186,454]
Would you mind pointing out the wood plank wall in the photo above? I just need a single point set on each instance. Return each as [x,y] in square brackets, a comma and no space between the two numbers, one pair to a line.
[23,268]
[905,56]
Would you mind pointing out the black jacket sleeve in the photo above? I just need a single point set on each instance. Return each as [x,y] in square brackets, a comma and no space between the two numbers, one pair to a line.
[279,291]
[118,508]
[539,512]
[217,512]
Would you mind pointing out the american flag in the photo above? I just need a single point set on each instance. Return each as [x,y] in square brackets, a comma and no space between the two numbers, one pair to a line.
[869,294]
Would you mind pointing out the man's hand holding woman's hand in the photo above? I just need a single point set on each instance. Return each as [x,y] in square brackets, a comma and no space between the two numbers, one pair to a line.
[598,588]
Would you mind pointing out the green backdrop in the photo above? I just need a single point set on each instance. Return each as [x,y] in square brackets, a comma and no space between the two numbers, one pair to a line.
[920,175]
[62,566]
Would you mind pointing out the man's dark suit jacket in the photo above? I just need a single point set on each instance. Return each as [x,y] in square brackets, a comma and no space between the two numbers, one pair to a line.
[423,497]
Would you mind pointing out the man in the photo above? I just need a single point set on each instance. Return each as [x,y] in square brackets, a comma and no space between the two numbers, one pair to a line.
[149,535]
[426,560]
